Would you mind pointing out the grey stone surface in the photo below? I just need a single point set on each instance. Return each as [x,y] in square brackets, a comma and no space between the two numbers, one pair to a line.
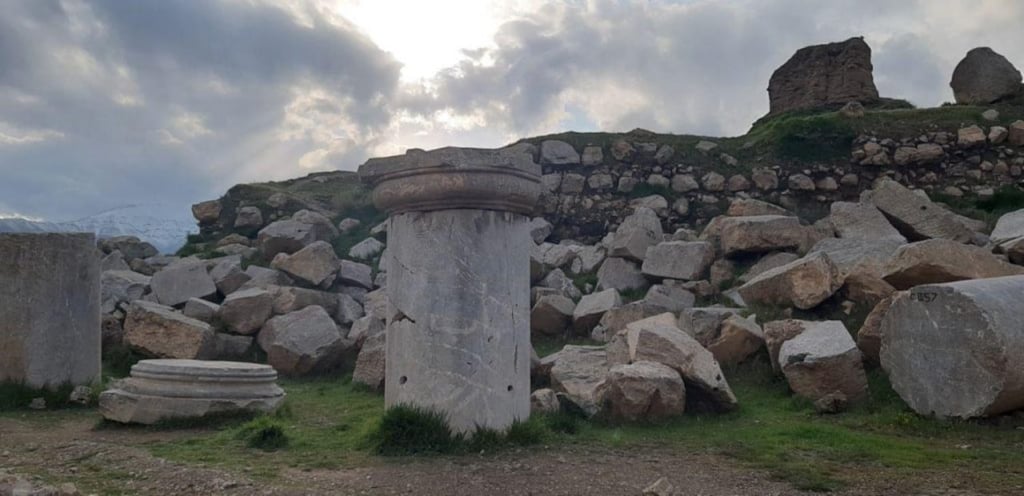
[704,323]
[955,349]
[818,75]
[551,315]
[228,276]
[459,339]
[578,373]
[591,308]
[262,277]
[121,286]
[540,229]
[303,342]
[803,283]
[245,311]
[160,390]
[202,310]
[738,339]
[1010,226]
[554,152]
[984,76]
[766,263]
[371,365]
[50,308]
[759,234]
[558,281]
[355,274]
[941,260]
[180,281]
[669,297]
[643,391]
[621,274]
[157,330]
[862,220]
[114,261]
[315,264]
[865,256]
[287,299]
[636,233]
[916,217]
[248,217]
[823,360]
[349,310]
[366,249]
[683,260]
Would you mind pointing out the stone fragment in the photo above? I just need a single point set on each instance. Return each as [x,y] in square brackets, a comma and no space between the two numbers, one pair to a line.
[941,260]
[803,284]
[863,256]
[618,318]
[704,323]
[621,274]
[578,372]
[683,183]
[348,311]
[869,337]
[371,363]
[561,283]
[1016,133]
[643,391]
[207,212]
[664,154]
[861,220]
[303,342]
[705,146]
[1010,226]
[970,137]
[292,235]
[158,331]
[824,361]
[552,315]
[544,401]
[540,229]
[316,264]
[916,217]
[592,155]
[245,311]
[232,347]
[288,299]
[248,218]
[984,76]
[348,225]
[687,261]
[660,487]
[738,339]
[591,308]
[49,309]
[554,152]
[760,234]
[954,349]
[161,390]
[622,150]
[203,310]
[114,261]
[228,276]
[819,75]
[177,283]
[637,232]
[121,286]
[262,277]
[776,333]
[366,249]
[656,339]
[355,274]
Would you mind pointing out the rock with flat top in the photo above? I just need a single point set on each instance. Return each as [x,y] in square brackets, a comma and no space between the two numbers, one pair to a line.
[245,311]
[803,284]
[552,315]
[579,372]
[316,264]
[820,75]
[591,308]
[915,216]
[681,260]
[643,391]
[303,342]
[759,234]
[738,339]
[941,260]
[635,234]
[158,331]
[823,361]
[174,285]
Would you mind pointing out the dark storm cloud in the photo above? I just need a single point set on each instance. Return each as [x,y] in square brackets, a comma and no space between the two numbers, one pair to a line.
[174,100]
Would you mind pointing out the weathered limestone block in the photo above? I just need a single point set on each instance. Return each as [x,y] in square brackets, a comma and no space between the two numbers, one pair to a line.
[759,234]
[287,299]
[121,286]
[768,262]
[366,249]
[591,308]
[207,212]
[371,363]
[458,257]
[203,310]
[157,330]
[114,261]
[864,256]
[916,217]
[803,284]
[863,221]
[869,337]
[181,389]
[355,274]
[245,311]
[552,315]
[738,339]
[180,281]
[683,260]
[955,349]
[621,274]
[544,400]
[228,276]
[657,339]
[303,342]
[579,373]
[941,260]
[639,231]
[823,361]
[316,264]
[704,323]
[643,391]
[669,296]
[776,333]
[554,152]
[49,309]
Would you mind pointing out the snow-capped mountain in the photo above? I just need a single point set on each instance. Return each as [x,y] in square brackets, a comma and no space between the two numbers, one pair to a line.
[165,226]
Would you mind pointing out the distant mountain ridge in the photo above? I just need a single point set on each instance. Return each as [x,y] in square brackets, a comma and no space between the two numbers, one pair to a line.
[164,226]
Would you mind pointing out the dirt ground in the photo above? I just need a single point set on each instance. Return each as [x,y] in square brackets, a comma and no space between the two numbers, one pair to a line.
[117,461]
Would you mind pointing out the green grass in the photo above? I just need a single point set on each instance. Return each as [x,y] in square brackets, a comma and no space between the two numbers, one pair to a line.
[409,430]
[1006,199]
[16,396]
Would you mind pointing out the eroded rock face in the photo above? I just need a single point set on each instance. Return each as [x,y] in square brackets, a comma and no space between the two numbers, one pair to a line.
[579,373]
[302,342]
[823,361]
[637,232]
[984,76]
[158,331]
[818,75]
[955,349]
[869,337]
[803,284]
[643,391]
[177,283]
[759,234]
[682,260]
[941,260]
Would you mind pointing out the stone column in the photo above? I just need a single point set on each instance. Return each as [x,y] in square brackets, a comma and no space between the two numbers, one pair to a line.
[49,309]
[458,330]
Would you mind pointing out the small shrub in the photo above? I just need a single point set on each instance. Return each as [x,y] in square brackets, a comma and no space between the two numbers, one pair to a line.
[526,433]
[264,433]
[563,423]
[407,430]
[17,396]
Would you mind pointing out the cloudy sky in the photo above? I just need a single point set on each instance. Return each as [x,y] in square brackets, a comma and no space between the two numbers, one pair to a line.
[112,102]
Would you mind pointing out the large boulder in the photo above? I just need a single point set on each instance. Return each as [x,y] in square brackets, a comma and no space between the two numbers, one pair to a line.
[738,339]
[704,323]
[657,339]
[552,315]
[292,235]
[561,284]
[819,75]
[637,232]
[643,391]
[302,342]
[207,212]
[864,256]
[591,308]
[941,260]
[759,234]
[371,362]
[955,349]
[121,286]
[984,76]
[670,297]
[158,331]
[776,333]
[916,217]
[766,263]
[228,275]
[1010,226]
[869,337]
[621,274]
[245,311]
[316,264]
[862,221]
[683,260]
[288,299]
[824,362]
[355,274]
[178,282]
[578,372]
[131,247]
[802,284]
